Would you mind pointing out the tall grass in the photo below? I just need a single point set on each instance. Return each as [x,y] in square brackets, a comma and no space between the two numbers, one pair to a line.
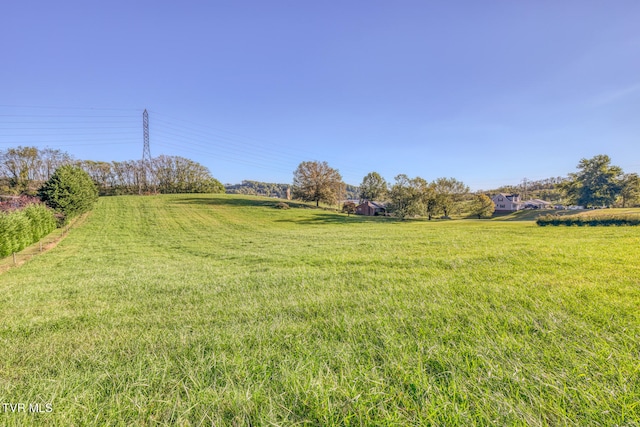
[221,310]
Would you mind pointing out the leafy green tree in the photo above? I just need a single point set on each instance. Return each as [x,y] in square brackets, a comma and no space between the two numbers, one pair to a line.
[630,189]
[425,197]
[373,187]
[448,194]
[404,197]
[597,183]
[413,196]
[70,191]
[482,206]
[317,182]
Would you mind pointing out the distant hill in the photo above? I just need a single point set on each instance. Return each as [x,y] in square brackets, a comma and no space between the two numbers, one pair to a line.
[352,192]
[257,188]
[269,189]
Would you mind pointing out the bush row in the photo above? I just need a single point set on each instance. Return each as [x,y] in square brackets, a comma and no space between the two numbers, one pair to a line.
[582,220]
[19,229]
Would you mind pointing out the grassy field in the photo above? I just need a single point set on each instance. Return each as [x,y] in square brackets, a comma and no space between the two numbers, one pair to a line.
[222,310]
[533,214]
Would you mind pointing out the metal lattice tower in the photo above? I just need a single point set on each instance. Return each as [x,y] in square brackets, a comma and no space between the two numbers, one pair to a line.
[146,154]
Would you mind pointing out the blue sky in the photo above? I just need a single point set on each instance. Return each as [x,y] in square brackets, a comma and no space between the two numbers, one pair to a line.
[488,92]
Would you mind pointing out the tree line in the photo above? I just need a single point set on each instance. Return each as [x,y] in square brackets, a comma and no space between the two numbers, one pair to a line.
[597,183]
[24,169]
[281,191]
[318,182]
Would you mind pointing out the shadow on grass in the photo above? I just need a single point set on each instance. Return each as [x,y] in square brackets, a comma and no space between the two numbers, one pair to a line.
[237,202]
[337,218]
[321,215]
[530,214]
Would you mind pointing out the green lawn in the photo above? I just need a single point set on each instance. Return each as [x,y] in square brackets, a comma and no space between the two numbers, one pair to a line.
[533,214]
[222,310]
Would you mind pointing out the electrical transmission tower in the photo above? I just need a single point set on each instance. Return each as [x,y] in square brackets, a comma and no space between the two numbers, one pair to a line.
[146,155]
[146,152]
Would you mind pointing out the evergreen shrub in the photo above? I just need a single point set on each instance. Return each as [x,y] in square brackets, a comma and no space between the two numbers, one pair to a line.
[70,191]
[592,221]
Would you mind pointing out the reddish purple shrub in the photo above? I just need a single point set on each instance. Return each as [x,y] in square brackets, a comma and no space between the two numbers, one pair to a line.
[16,203]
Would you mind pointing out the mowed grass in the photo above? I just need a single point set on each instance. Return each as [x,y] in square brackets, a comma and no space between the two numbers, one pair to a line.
[533,214]
[222,310]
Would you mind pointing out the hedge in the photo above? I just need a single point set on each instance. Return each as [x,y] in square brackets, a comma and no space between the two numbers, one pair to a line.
[593,221]
[19,229]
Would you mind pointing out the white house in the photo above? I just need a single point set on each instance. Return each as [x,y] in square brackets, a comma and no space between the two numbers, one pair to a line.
[507,202]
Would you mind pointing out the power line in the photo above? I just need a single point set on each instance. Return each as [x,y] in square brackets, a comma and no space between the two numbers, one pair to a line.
[275,152]
[74,128]
[68,108]
[244,139]
[261,165]
[91,126]
[65,134]
[53,116]
[226,148]
[22,122]
[94,144]
[241,145]
[112,142]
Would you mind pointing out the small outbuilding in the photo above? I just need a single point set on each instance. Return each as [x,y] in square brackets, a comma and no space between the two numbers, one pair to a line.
[537,204]
[370,209]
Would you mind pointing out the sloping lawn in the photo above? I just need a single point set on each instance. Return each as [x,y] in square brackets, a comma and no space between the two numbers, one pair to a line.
[222,310]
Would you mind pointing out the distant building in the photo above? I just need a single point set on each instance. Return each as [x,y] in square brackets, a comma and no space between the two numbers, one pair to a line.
[370,209]
[537,204]
[511,203]
[507,202]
